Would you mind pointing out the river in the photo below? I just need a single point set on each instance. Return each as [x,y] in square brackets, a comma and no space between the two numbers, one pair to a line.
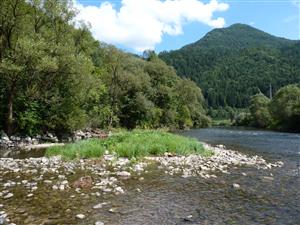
[265,196]
[176,200]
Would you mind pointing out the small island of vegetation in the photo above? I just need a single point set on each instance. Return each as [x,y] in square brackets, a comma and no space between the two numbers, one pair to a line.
[132,144]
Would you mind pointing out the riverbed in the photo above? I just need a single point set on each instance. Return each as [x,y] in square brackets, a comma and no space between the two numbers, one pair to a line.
[155,197]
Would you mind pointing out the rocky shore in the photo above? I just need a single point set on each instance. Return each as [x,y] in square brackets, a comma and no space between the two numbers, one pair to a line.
[25,179]
[15,142]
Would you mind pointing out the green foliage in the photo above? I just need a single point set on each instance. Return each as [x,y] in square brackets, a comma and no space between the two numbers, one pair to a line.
[280,113]
[232,64]
[55,77]
[243,119]
[133,144]
[92,148]
[285,108]
[259,109]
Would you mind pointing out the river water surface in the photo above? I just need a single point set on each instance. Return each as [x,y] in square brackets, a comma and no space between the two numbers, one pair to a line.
[176,200]
[265,197]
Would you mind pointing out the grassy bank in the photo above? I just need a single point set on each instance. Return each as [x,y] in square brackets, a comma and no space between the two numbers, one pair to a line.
[137,143]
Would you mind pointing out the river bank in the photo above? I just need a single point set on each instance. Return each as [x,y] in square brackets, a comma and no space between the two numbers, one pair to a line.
[48,139]
[77,182]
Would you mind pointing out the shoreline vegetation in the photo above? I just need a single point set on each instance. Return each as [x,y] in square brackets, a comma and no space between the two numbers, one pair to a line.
[280,113]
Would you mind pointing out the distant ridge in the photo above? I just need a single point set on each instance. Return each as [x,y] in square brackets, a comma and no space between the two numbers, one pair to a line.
[231,64]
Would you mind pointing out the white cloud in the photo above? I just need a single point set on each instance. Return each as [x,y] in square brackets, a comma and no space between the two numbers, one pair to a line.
[140,24]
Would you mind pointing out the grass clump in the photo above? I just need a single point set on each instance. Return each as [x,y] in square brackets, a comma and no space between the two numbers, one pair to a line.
[137,143]
[92,148]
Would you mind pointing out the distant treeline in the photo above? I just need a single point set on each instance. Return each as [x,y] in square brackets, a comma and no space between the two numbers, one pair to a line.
[55,77]
[281,112]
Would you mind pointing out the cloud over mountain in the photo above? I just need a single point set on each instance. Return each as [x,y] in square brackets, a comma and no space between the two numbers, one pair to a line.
[140,24]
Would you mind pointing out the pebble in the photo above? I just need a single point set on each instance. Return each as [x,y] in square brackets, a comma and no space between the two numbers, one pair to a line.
[9,195]
[48,181]
[236,186]
[98,206]
[268,178]
[99,223]
[119,190]
[123,174]
[80,216]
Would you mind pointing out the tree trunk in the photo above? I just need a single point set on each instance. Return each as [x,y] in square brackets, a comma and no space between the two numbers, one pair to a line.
[10,112]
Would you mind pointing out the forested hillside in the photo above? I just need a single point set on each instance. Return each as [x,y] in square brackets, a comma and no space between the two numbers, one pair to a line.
[55,77]
[234,63]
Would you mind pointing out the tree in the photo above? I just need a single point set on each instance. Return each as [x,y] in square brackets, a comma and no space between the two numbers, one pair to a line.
[259,109]
[285,108]
[42,62]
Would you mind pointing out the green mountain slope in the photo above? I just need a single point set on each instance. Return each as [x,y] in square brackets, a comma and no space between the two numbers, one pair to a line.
[233,63]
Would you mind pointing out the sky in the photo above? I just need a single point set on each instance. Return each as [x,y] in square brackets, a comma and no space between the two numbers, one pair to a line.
[164,25]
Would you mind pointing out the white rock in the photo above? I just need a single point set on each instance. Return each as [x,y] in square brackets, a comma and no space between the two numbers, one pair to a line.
[123,174]
[236,186]
[48,181]
[99,223]
[9,195]
[99,206]
[80,216]
[119,190]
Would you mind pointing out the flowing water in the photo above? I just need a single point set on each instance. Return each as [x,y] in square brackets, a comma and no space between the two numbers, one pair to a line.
[176,200]
[265,197]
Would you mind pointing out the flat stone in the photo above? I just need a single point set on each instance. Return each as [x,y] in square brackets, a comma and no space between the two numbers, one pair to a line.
[99,223]
[123,174]
[80,216]
[99,206]
[268,178]
[9,195]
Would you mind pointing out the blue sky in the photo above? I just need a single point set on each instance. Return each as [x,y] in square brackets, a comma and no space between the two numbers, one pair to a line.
[277,17]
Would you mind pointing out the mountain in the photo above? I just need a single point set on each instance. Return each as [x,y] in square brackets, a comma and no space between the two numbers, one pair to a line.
[231,64]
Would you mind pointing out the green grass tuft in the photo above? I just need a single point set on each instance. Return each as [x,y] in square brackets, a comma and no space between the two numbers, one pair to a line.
[137,143]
